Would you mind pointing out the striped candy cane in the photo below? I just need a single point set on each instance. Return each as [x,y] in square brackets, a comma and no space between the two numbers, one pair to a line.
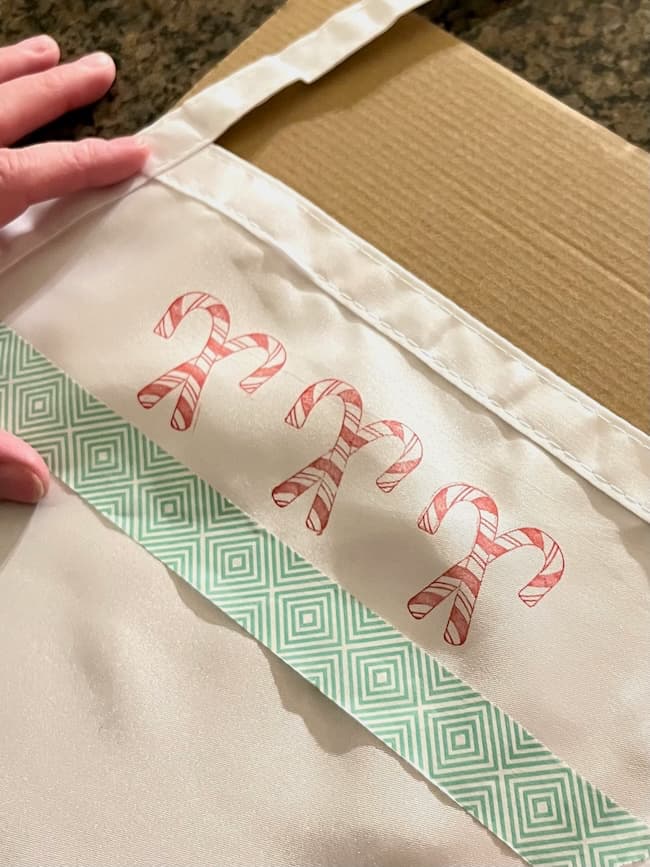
[274,362]
[327,470]
[190,375]
[407,461]
[552,567]
[466,577]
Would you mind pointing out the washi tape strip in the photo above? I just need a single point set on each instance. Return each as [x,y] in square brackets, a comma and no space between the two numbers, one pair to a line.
[466,746]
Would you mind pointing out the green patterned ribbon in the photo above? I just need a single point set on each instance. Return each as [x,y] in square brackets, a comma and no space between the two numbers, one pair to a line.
[458,740]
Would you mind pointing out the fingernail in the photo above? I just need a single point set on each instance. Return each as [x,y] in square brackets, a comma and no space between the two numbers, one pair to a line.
[131,141]
[99,59]
[40,44]
[20,484]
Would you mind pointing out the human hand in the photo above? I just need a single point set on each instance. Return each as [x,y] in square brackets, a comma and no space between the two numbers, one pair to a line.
[35,89]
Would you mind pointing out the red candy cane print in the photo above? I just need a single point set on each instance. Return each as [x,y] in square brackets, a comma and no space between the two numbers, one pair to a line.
[327,470]
[407,461]
[552,568]
[191,375]
[465,578]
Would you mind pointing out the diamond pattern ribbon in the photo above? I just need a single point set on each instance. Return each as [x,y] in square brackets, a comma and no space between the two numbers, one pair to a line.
[470,749]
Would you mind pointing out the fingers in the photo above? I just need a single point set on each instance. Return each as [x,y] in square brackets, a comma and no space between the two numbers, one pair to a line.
[46,171]
[25,58]
[33,92]
[42,172]
[24,477]
[29,102]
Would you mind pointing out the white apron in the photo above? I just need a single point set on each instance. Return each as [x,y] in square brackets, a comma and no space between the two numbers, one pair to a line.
[264,427]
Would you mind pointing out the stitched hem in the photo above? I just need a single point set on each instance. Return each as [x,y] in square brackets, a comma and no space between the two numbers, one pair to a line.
[626,451]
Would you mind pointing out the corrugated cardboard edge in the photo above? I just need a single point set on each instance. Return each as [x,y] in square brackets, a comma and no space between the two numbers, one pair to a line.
[529,216]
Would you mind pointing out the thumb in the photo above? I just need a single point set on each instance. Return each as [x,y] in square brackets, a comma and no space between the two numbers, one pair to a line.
[24,476]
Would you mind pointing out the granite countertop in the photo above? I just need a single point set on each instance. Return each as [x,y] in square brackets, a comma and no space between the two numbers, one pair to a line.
[592,54]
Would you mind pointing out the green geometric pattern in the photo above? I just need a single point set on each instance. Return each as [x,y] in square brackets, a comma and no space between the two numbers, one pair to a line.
[462,743]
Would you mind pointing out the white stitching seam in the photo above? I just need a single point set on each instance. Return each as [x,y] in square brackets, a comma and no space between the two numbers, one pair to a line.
[401,338]
[205,144]
[387,266]
[484,336]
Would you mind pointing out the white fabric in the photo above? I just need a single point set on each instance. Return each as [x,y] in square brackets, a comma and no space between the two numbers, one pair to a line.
[555,668]
[141,728]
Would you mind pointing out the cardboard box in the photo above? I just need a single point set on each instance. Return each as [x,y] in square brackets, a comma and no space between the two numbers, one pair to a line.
[525,213]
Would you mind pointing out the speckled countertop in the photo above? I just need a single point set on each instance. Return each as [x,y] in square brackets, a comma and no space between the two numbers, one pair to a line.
[592,54]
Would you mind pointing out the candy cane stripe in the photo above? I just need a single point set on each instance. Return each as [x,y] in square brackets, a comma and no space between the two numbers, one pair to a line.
[486,506]
[428,598]
[275,358]
[462,610]
[552,567]
[161,387]
[329,468]
[351,439]
[535,536]
[292,488]
[332,464]
[191,375]
[459,620]
[155,391]
[411,452]
[478,559]
[465,578]
[182,415]
[184,304]
[467,574]
[319,515]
